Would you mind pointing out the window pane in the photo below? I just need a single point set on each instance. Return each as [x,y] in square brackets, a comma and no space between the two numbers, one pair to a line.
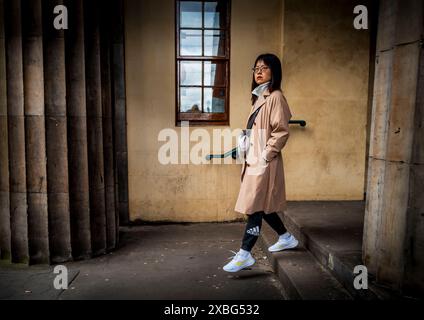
[214,43]
[191,73]
[190,14]
[191,99]
[215,16]
[214,99]
[203,36]
[215,74]
[191,43]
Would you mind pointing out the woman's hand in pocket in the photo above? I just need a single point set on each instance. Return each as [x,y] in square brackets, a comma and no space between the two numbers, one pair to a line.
[263,162]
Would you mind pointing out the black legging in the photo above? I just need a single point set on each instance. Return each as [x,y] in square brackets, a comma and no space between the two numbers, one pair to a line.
[254,224]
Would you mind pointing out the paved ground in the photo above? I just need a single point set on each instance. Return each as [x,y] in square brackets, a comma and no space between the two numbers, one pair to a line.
[181,262]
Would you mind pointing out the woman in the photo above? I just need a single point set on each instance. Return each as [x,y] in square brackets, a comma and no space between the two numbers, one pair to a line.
[262,190]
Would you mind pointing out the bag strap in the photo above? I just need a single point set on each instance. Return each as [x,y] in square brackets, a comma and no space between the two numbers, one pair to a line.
[251,121]
[252,118]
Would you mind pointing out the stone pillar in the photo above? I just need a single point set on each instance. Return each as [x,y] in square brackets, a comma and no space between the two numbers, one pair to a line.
[395,170]
[16,133]
[35,134]
[4,153]
[56,132]
[105,54]
[57,100]
[95,127]
[414,277]
[120,115]
[77,132]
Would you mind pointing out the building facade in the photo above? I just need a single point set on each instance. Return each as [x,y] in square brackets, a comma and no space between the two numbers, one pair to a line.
[82,111]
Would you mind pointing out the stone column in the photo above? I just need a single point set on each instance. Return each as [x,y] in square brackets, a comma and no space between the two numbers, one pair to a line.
[120,115]
[35,133]
[16,133]
[395,170]
[105,45]
[95,127]
[77,132]
[4,153]
[414,279]
[57,100]
[56,132]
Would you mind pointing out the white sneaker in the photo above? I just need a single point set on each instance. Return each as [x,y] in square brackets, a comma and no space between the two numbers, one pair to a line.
[239,262]
[284,243]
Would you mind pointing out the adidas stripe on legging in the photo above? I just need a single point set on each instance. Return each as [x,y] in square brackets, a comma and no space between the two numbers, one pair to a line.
[254,224]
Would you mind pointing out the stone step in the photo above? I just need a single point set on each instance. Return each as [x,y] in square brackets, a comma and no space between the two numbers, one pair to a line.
[301,275]
[335,246]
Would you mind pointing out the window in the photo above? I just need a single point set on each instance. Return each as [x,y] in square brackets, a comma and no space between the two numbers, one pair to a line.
[203,58]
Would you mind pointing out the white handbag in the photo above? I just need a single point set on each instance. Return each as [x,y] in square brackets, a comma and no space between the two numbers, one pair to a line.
[243,142]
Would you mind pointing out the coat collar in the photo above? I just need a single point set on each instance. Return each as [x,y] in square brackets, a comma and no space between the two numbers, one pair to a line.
[260,101]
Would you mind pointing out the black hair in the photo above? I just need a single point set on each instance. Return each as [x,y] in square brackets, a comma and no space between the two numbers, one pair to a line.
[274,63]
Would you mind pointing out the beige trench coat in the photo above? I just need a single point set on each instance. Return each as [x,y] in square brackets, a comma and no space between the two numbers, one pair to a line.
[262,183]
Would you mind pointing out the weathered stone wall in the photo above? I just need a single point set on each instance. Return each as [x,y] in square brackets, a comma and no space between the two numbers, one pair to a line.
[393,241]
[326,69]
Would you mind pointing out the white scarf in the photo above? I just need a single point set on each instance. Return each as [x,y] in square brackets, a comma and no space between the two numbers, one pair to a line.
[259,90]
